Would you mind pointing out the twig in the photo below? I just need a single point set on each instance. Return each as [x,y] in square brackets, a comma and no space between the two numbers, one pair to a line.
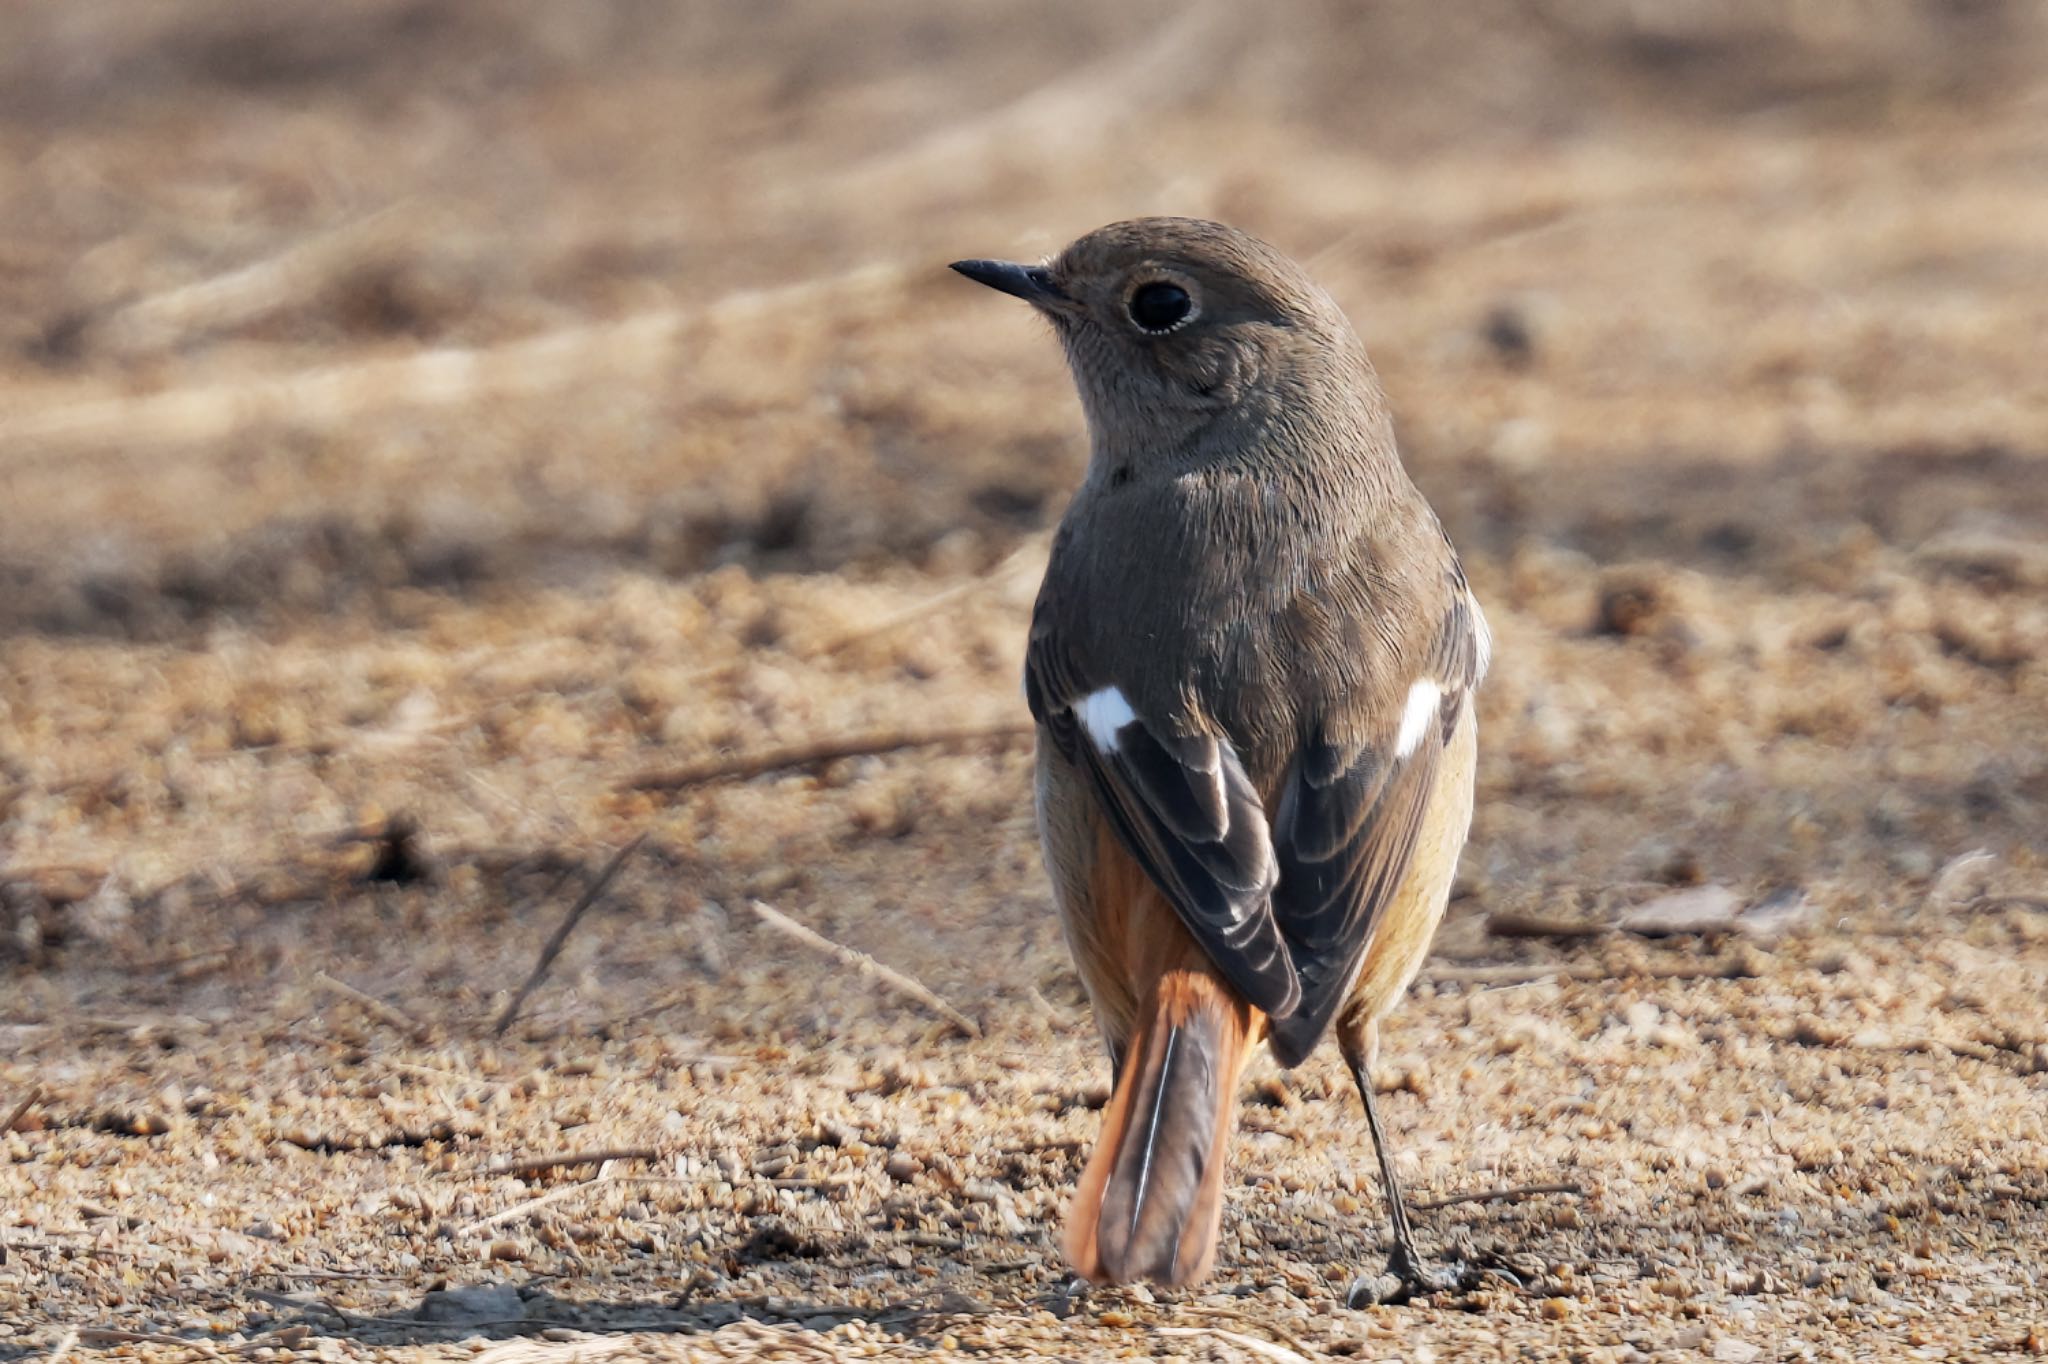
[313,1303]
[932,605]
[867,966]
[1232,1314]
[252,291]
[562,931]
[603,1176]
[660,1006]
[107,1335]
[555,1162]
[741,766]
[264,1295]
[391,1014]
[581,1349]
[21,1109]
[326,396]
[1052,120]
[1509,924]
[1512,1195]
[64,1347]
[346,1275]
[1517,973]
[937,602]
[1264,1349]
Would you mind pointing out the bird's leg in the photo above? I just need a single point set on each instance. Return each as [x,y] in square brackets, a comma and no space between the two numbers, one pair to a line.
[1406,1275]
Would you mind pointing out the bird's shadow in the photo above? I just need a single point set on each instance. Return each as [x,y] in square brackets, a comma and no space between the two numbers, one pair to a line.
[507,1312]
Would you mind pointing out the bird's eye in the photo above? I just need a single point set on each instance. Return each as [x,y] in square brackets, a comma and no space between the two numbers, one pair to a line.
[1160,306]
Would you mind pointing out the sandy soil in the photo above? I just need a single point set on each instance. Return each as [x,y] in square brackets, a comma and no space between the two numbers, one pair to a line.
[424,429]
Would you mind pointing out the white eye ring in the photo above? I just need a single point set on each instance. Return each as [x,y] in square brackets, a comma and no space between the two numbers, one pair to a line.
[1158,295]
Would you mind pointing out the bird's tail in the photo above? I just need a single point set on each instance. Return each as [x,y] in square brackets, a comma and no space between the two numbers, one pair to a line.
[1152,1194]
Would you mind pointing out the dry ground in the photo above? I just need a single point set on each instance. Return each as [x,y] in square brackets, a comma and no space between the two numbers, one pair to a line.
[418,422]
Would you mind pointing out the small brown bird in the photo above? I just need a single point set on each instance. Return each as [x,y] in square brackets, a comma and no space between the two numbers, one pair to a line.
[1252,663]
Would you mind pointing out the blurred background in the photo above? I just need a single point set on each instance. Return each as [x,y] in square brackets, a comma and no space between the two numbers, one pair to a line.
[400,397]
[434,437]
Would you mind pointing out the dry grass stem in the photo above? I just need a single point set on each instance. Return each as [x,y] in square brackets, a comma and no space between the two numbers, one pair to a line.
[742,766]
[866,965]
[1518,973]
[604,1175]
[388,1013]
[1510,1195]
[331,396]
[531,1164]
[1243,1318]
[1032,550]
[1058,117]
[21,1109]
[1264,1349]
[179,316]
[1509,924]
[108,1335]
[1515,973]
[562,932]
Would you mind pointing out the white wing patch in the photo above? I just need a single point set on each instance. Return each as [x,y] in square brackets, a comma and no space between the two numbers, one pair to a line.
[1102,714]
[1423,699]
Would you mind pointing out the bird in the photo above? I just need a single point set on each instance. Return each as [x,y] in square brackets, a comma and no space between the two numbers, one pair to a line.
[1251,663]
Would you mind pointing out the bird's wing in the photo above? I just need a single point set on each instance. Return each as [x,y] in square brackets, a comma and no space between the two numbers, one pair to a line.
[1348,814]
[1181,803]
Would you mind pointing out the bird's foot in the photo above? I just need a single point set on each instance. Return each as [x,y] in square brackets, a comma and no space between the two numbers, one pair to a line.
[1407,1277]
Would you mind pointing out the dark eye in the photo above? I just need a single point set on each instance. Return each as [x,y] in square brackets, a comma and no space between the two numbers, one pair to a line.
[1160,306]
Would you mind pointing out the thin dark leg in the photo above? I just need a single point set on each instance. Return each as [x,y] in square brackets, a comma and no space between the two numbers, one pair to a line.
[1407,1275]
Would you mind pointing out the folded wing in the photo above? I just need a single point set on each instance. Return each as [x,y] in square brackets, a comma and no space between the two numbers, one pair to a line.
[1347,818]
[1181,803]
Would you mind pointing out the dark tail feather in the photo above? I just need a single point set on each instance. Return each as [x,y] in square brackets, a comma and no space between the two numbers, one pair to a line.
[1152,1195]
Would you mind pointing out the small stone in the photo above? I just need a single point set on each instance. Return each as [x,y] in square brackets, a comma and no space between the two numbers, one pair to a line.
[1699,909]
[902,1167]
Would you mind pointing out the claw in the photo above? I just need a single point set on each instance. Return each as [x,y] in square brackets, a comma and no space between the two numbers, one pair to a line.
[1406,1278]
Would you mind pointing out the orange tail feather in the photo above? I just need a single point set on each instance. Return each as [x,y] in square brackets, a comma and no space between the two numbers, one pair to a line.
[1152,1195]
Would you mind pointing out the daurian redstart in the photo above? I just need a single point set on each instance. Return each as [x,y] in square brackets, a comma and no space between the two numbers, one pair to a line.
[1252,665]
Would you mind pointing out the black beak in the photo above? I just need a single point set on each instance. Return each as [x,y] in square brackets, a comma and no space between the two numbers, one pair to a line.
[1032,283]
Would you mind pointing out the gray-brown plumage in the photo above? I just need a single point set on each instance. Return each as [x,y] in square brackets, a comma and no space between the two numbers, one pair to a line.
[1252,662]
